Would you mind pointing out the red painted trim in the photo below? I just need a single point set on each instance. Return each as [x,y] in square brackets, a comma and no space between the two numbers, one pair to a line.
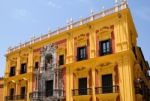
[97,45]
[64,79]
[60,41]
[96,78]
[116,74]
[90,78]
[113,41]
[75,49]
[74,81]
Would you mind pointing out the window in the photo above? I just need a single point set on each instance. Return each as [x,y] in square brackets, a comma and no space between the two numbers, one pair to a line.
[61,60]
[23,92]
[36,65]
[12,71]
[81,53]
[49,88]
[105,47]
[23,68]
[107,83]
[83,86]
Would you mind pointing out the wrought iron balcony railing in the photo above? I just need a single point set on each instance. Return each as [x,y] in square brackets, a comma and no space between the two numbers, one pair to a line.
[107,89]
[49,93]
[8,98]
[55,93]
[15,97]
[36,95]
[83,91]
[21,97]
[138,90]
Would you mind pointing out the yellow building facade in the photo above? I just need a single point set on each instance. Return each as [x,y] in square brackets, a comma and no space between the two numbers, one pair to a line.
[97,57]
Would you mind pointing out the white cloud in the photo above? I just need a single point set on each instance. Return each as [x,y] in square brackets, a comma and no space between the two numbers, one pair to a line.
[52,4]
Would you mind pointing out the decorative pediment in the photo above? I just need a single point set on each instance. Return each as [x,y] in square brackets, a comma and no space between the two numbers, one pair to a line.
[81,40]
[105,32]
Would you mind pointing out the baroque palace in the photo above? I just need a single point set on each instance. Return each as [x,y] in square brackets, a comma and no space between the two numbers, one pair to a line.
[93,59]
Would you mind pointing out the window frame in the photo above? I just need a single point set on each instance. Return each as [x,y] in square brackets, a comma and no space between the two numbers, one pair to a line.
[82,53]
[108,47]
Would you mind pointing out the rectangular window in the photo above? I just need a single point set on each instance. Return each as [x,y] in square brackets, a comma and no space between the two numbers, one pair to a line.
[61,60]
[23,68]
[36,65]
[49,88]
[107,83]
[83,86]
[81,53]
[12,71]
[105,47]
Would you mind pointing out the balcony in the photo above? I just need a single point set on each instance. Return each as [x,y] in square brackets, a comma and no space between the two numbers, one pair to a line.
[106,92]
[83,91]
[10,98]
[36,95]
[138,91]
[16,97]
[56,93]
[21,97]
[84,94]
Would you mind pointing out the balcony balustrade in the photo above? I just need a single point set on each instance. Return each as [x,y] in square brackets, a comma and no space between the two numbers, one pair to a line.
[15,97]
[83,91]
[58,93]
[107,89]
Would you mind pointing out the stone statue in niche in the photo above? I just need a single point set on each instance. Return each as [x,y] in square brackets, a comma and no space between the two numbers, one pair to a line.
[48,56]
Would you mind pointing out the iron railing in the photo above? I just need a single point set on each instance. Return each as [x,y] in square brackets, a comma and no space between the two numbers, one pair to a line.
[21,97]
[82,91]
[138,90]
[107,89]
[8,98]
[15,97]
[49,93]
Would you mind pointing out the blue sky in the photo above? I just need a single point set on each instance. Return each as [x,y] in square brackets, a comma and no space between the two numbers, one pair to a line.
[22,19]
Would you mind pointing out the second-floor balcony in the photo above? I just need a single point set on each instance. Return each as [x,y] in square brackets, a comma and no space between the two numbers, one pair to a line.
[56,93]
[82,91]
[107,89]
[16,98]
[107,93]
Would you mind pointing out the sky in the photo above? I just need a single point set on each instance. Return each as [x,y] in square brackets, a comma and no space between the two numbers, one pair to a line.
[22,19]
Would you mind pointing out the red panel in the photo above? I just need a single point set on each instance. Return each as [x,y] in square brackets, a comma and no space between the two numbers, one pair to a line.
[97,43]
[91,99]
[75,50]
[116,75]
[74,81]
[118,98]
[97,99]
[113,41]
[96,78]
[90,78]
[60,42]
[64,79]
